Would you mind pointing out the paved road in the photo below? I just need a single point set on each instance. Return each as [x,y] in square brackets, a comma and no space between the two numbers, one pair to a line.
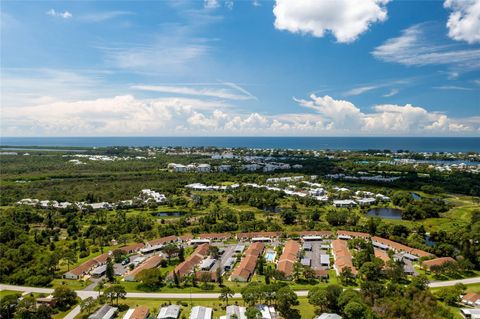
[148,295]
[72,314]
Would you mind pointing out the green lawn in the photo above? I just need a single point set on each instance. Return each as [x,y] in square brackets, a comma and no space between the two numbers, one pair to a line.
[4,293]
[73,284]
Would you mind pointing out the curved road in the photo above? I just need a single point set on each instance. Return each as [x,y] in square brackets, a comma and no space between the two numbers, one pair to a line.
[151,295]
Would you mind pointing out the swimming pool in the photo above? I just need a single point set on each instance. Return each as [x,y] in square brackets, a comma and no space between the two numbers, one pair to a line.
[270,256]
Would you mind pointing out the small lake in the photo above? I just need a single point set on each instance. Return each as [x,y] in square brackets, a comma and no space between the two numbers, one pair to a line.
[416,196]
[390,213]
[170,214]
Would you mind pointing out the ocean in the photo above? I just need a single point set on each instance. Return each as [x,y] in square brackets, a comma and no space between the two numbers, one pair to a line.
[415,144]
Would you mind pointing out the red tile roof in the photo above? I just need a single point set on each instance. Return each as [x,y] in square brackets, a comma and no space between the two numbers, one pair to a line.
[438,262]
[343,258]
[288,258]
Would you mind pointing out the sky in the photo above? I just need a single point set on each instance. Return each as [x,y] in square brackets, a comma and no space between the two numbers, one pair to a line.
[240,68]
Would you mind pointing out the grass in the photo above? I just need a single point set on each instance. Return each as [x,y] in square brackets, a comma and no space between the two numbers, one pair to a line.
[5,293]
[73,284]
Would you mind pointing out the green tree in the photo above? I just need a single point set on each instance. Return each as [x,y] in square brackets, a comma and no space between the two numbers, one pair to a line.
[354,310]
[317,296]
[8,304]
[286,299]
[225,294]
[252,313]
[110,272]
[64,297]
[347,277]
[87,305]
[115,292]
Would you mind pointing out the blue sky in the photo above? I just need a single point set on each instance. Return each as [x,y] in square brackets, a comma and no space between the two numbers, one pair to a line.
[316,68]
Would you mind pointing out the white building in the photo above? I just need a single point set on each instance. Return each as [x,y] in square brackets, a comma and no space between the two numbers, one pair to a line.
[203,168]
[178,168]
[199,312]
[169,312]
[366,201]
[266,312]
[344,203]
[235,312]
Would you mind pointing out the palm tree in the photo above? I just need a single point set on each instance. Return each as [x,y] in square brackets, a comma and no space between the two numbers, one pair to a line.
[225,294]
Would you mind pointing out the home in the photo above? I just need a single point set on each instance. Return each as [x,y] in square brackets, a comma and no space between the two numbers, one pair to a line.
[288,258]
[142,312]
[343,257]
[177,168]
[266,312]
[105,312]
[150,263]
[471,299]
[306,262]
[325,260]
[169,312]
[344,203]
[470,313]
[328,316]
[203,168]
[207,264]
[229,264]
[363,202]
[248,263]
[438,262]
[199,312]
[224,168]
[235,312]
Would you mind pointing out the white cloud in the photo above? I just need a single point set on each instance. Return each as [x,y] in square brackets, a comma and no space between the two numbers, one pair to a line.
[452,87]
[392,92]
[208,92]
[128,115]
[345,19]
[103,16]
[362,89]
[464,21]
[414,47]
[65,14]
[211,4]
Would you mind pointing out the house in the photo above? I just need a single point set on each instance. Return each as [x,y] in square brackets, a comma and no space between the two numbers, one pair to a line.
[141,312]
[266,312]
[169,312]
[344,203]
[224,168]
[235,312]
[203,168]
[239,248]
[306,261]
[363,202]
[215,236]
[199,312]
[105,312]
[229,264]
[207,264]
[187,266]
[150,263]
[471,299]
[86,267]
[288,258]
[315,235]
[177,168]
[247,265]
[99,271]
[438,262]
[328,316]
[470,313]
[342,255]
[325,260]
[345,234]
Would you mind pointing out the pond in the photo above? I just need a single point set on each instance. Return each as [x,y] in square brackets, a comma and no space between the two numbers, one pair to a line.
[385,212]
[170,214]
[416,196]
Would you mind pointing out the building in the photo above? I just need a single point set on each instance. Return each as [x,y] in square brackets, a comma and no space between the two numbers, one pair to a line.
[266,312]
[344,203]
[325,260]
[224,168]
[247,265]
[288,258]
[187,266]
[169,312]
[470,313]
[343,258]
[178,168]
[437,262]
[328,316]
[229,264]
[363,202]
[99,271]
[105,312]
[345,234]
[471,299]
[142,312]
[199,312]
[203,168]
[207,264]
[86,267]
[150,263]
[235,312]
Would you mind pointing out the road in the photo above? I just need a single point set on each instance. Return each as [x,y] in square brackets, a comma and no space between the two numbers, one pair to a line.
[149,295]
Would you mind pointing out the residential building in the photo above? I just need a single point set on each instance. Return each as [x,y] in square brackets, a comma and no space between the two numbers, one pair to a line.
[342,255]
[288,258]
[105,312]
[150,263]
[169,312]
[199,312]
[141,312]
[328,316]
[471,299]
[235,312]
[247,265]
[437,262]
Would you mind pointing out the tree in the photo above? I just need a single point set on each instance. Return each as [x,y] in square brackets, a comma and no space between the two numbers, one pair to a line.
[286,299]
[370,271]
[354,310]
[333,293]
[252,313]
[309,273]
[115,292]
[151,278]
[261,265]
[110,272]
[347,277]
[451,295]
[64,297]
[170,250]
[225,294]
[70,257]
[87,305]
[318,297]
[181,254]
[218,274]
[43,312]
[289,217]
[176,280]
[297,271]
[419,282]
[8,304]
[213,251]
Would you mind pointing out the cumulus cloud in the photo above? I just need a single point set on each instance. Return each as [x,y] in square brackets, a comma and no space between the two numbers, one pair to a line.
[415,47]
[64,15]
[104,16]
[127,115]
[464,20]
[345,19]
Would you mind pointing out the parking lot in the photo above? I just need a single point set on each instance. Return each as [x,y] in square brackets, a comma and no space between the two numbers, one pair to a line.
[316,252]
